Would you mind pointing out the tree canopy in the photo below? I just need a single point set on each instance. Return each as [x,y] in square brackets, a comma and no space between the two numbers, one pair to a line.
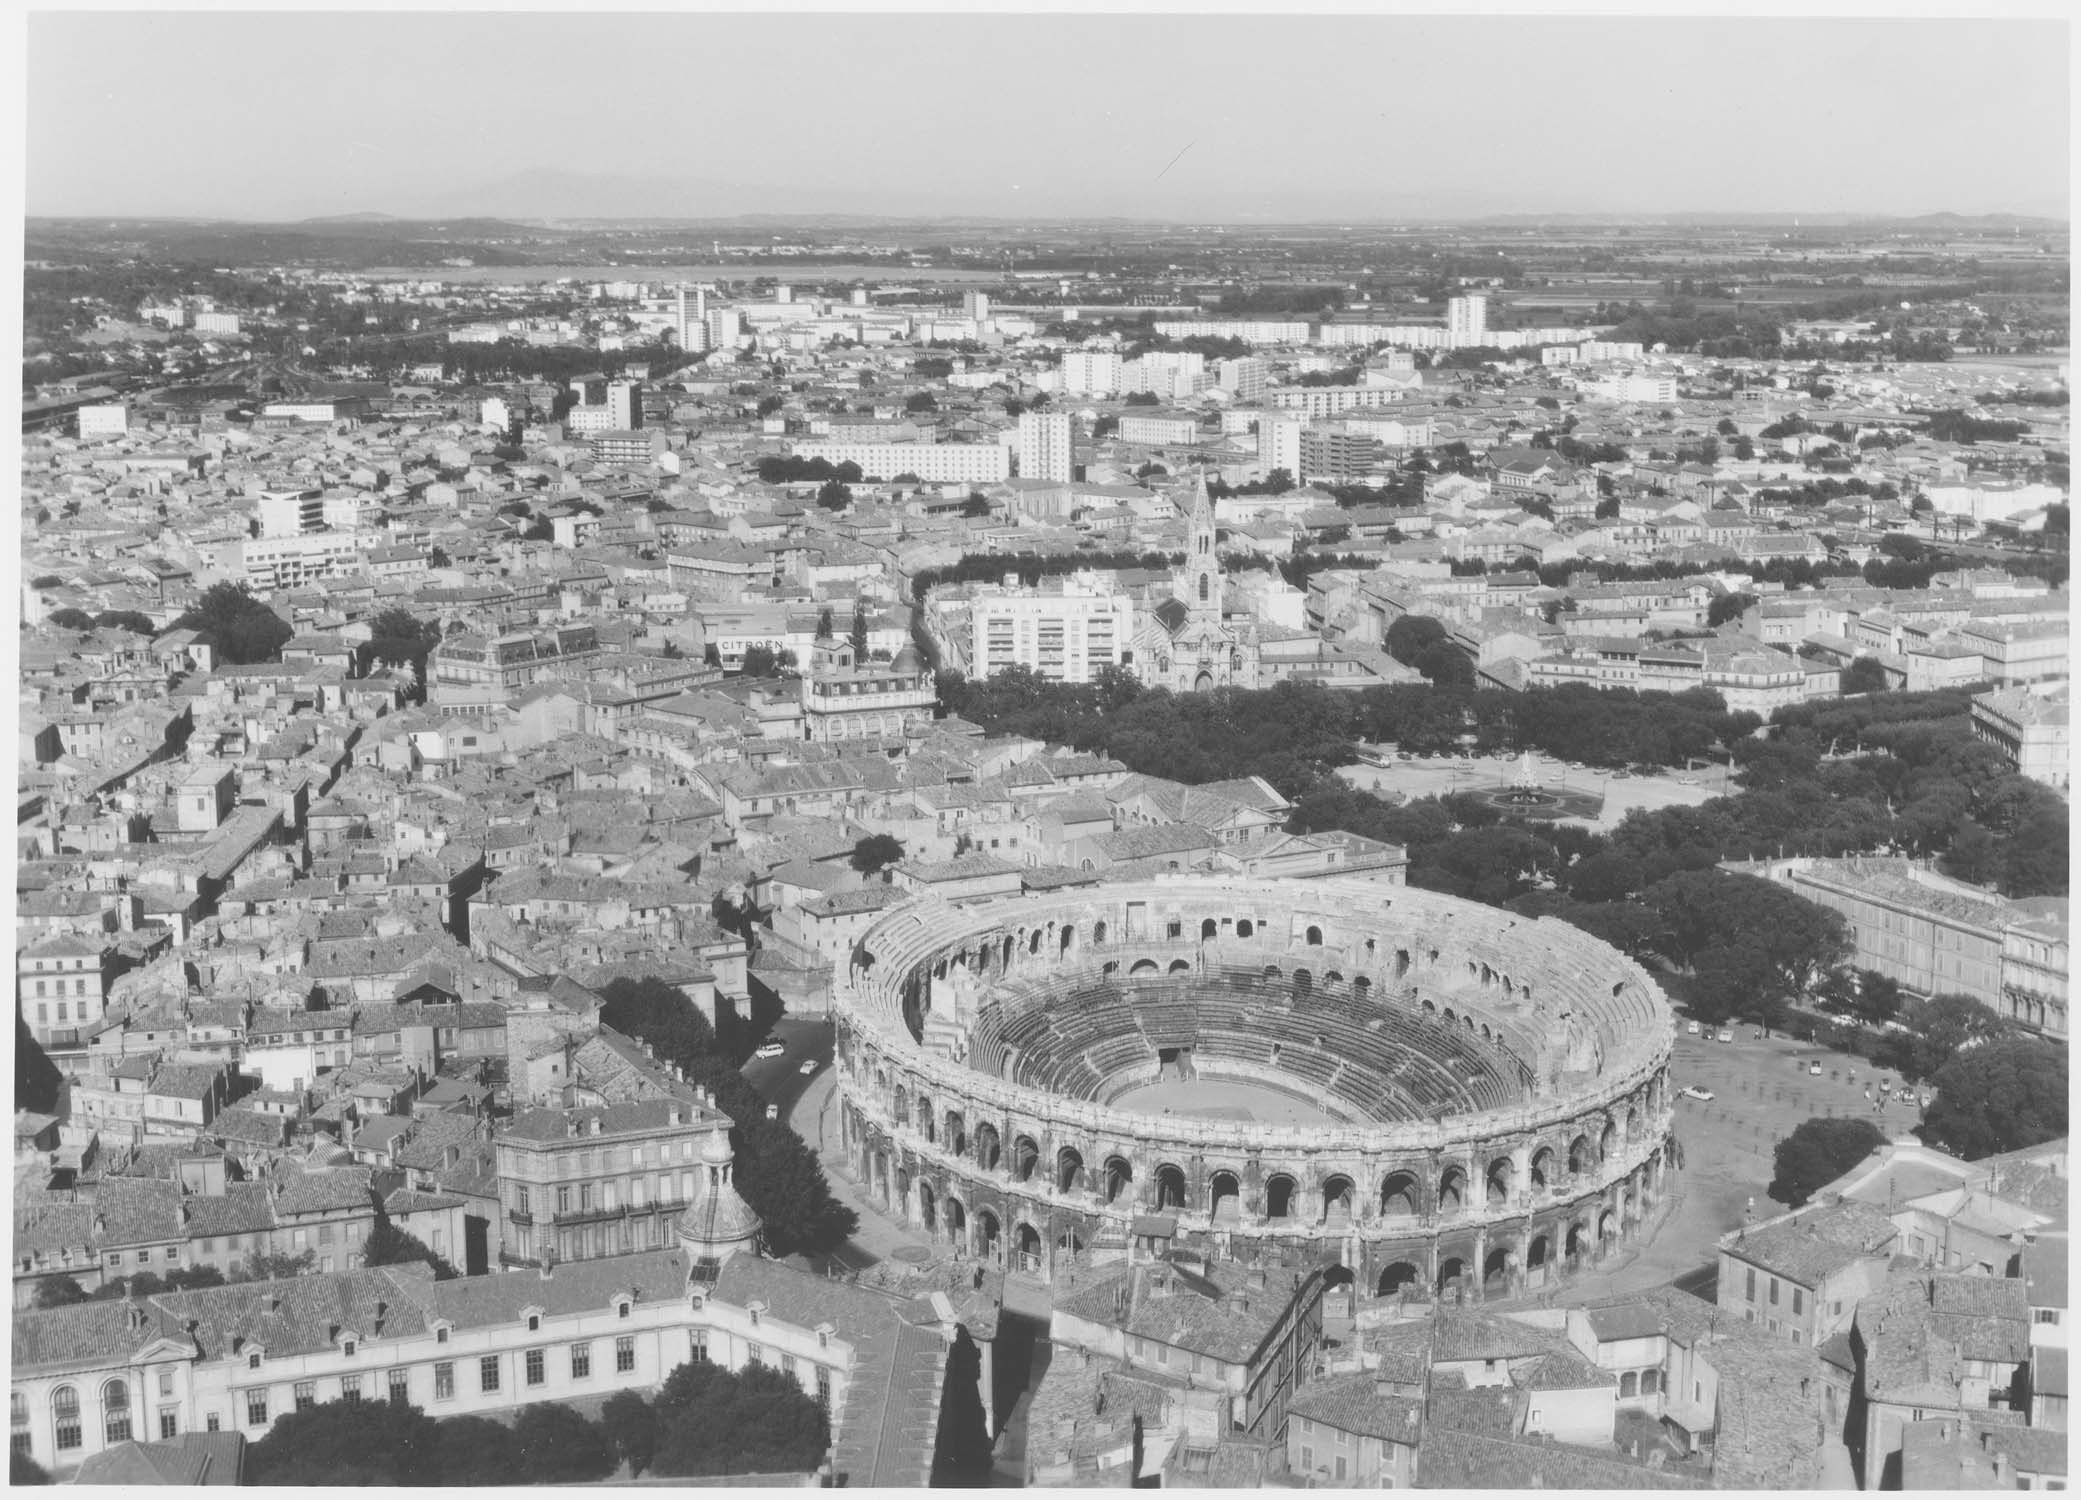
[1819,1151]
[750,1421]
[244,629]
[2002,1095]
[876,852]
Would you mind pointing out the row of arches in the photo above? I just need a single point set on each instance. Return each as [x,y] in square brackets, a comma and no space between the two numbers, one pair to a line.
[1482,1258]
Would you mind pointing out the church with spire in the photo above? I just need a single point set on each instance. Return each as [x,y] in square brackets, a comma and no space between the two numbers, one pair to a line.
[1188,643]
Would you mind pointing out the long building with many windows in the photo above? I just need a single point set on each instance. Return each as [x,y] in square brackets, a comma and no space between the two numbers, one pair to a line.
[88,1378]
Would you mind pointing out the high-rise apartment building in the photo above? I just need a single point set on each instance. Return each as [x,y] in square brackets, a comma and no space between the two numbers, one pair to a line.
[1242,378]
[1466,318]
[1279,443]
[625,405]
[1047,445]
[975,305]
[1067,631]
[1091,373]
[725,327]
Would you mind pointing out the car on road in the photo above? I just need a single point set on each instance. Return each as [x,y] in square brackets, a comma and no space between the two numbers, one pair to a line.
[1687,781]
[771,1049]
[1695,1092]
[809,1065]
[1813,1069]
[1692,1029]
[1726,1036]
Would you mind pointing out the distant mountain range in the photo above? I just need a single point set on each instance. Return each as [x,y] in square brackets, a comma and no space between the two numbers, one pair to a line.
[545,195]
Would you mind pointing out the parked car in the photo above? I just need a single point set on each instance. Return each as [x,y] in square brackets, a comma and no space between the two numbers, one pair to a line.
[1692,1028]
[1814,1069]
[1726,1036]
[809,1065]
[771,1049]
[1695,1092]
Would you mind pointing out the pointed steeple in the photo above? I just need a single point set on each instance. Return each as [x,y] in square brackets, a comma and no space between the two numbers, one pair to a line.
[1200,584]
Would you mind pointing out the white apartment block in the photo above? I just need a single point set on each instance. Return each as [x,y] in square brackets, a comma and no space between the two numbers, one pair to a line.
[1632,388]
[1170,376]
[1047,445]
[1158,429]
[106,421]
[1466,318]
[933,463]
[1279,443]
[1249,330]
[270,563]
[1067,635]
[285,513]
[1394,432]
[1245,379]
[1092,373]
[1330,400]
[216,322]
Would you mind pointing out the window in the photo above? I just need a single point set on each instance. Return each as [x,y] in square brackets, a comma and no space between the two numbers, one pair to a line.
[166,1382]
[18,1421]
[65,1415]
[256,1408]
[621,1310]
[585,1197]
[350,1388]
[488,1373]
[563,1200]
[400,1388]
[2045,1315]
[698,1346]
[754,1355]
[440,1335]
[169,1425]
[1798,1300]
[536,1370]
[787,1364]
[1773,1291]
[534,1322]
[581,1361]
[1752,1284]
[1307,1457]
[823,1375]
[444,1381]
[306,1394]
[347,1349]
[115,1412]
[624,1355]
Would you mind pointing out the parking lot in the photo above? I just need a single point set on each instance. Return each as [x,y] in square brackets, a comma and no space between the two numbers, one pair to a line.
[1762,1090]
[1442,775]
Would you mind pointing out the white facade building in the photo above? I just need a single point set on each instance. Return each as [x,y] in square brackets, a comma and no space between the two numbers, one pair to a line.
[933,463]
[1047,445]
[1068,634]
[1091,373]
[1466,318]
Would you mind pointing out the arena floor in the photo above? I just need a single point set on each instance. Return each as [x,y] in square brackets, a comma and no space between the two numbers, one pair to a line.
[1224,1099]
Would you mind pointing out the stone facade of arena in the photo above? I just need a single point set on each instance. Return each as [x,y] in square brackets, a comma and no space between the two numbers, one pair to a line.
[1499,1084]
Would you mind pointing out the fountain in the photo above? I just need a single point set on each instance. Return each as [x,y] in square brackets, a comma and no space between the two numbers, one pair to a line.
[1526,796]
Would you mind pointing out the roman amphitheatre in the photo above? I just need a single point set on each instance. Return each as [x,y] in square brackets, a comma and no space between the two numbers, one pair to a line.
[1434,1095]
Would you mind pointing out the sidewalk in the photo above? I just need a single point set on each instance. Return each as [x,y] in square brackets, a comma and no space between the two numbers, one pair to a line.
[815,1119]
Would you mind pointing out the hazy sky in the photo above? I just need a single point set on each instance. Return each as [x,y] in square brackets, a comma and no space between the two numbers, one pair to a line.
[289,114]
